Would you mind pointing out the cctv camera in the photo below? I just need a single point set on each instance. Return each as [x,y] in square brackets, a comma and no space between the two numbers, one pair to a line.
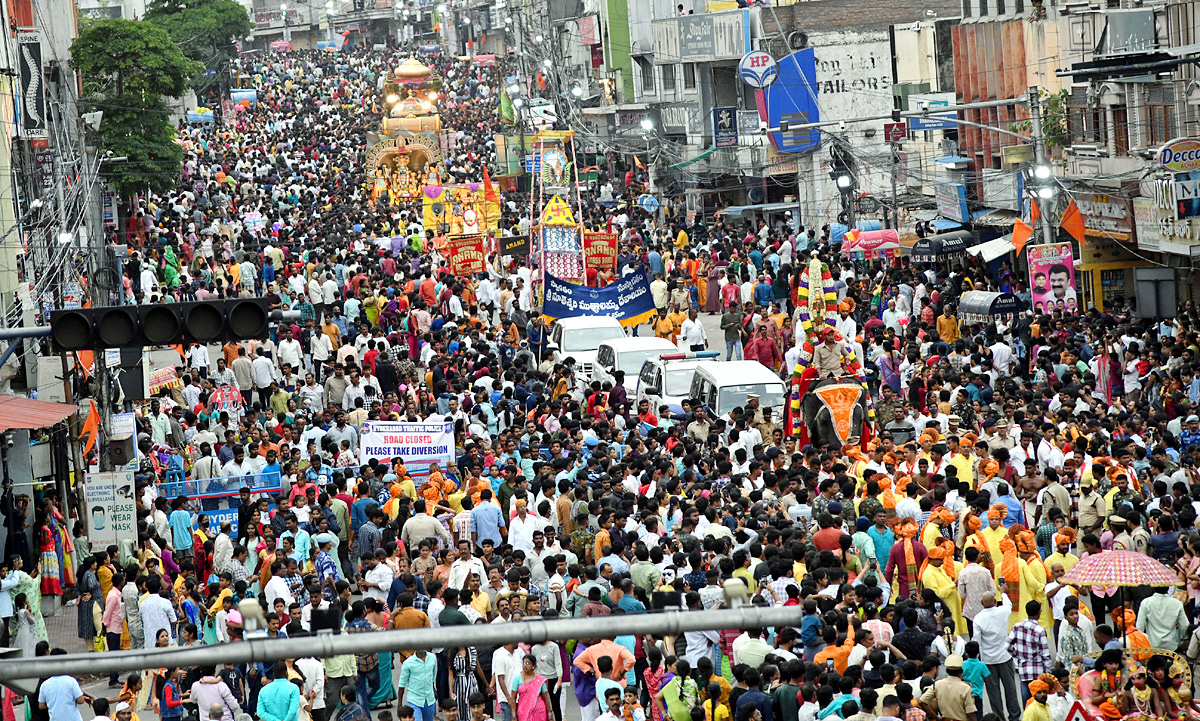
[763,127]
[842,126]
[109,153]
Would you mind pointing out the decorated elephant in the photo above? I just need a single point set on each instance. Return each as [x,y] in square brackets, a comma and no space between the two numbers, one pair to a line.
[835,410]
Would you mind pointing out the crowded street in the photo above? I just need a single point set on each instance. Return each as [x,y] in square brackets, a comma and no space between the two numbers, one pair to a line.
[451,382]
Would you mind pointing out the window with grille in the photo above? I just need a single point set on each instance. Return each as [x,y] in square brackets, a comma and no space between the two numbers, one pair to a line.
[689,76]
[647,72]
[1160,109]
[668,78]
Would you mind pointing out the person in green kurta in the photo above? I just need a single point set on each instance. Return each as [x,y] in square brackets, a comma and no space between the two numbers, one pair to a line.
[32,588]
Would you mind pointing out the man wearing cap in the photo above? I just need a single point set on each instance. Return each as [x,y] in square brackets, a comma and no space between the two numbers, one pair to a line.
[1190,436]
[997,435]
[950,697]
[1092,508]
[1121,540]
[827,357]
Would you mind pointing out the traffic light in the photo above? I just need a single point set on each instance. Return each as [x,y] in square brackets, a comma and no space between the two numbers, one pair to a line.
[159,324]
[87,328]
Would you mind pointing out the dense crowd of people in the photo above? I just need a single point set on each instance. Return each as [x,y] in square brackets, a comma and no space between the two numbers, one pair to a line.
[926,564]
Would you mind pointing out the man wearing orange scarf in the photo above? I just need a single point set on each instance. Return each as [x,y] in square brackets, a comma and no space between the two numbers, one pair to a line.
[905,560]
[1126,618]
[1009,570]
[1034,576]
[994,533]
[1064,541]
[940,519]
[974,538]
[940,576]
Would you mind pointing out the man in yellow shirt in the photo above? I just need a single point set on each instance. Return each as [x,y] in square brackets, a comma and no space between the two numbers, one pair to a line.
[1064,540]
[940,577]
[1037,710]
[664,327]
[994,533]
[947,326]
[681,240]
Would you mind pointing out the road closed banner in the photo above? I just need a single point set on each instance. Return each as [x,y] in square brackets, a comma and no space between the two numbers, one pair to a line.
[418,444]
[628,299]
[465,253]
[600,250]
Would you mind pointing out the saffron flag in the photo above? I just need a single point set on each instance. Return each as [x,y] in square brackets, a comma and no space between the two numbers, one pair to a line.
[489,193]
[1021,235]
[638,162]
[1072,222]
[91,428]
[1034,212]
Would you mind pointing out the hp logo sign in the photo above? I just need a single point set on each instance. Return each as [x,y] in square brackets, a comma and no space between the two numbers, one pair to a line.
[758,69]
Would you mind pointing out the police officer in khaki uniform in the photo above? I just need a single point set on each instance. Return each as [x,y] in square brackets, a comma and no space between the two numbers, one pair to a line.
[950,697]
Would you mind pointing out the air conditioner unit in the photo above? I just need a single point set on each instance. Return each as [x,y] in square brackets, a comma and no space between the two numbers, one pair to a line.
[1085,150]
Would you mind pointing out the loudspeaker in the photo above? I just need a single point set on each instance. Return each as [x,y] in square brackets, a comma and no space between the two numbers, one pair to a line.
[121,450]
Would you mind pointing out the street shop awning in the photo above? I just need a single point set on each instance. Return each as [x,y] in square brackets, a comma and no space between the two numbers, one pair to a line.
[737,210]
[945,224]
[690,161]
[863,244]
[943,246]
[28,414]
[993,249]
[978,306]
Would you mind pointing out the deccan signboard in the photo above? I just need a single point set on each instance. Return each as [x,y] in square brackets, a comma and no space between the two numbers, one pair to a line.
[1181,155]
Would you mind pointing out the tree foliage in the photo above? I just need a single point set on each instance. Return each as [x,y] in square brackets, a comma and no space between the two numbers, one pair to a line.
[139,57]
[138,128]
[205,30]
[128,66]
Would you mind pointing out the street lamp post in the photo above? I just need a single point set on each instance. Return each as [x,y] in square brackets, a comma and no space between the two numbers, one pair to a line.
[1042,171]
[287,30]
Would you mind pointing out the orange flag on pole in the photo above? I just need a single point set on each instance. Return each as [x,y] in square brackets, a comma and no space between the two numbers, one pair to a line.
[1072,222]
[1034,212]
[1021,235]
[91,428]
[638,162]
[489,193]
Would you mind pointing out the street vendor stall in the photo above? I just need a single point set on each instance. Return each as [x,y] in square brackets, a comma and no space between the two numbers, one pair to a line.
[980,306]
[944,247]
[871,244]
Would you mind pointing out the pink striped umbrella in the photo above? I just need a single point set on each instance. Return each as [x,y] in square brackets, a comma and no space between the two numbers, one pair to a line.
[1120,568]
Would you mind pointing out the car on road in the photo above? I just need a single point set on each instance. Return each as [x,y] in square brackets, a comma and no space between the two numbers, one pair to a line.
[628,355]
[667,379]
[723,386]
[579,338]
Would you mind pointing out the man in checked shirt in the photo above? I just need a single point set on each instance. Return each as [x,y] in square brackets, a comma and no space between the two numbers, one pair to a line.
[1030,648]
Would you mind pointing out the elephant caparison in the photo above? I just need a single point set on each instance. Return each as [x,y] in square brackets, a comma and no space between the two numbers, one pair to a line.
[820,421]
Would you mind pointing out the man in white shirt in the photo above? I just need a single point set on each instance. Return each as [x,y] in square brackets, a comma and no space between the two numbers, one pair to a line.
[277,587]
[264,375]
[522,526]
[693,337]
[991,633]
[289,351]
[377,579]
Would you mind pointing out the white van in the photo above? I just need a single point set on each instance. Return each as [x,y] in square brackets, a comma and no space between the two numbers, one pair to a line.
[667,379]
[628,355]
[722,386]
[579,338]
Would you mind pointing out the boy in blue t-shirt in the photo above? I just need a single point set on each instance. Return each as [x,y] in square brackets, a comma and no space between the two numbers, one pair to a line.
[974,671]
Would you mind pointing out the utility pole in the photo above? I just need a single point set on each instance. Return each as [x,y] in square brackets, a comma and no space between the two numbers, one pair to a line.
[1039,153]
[895,218]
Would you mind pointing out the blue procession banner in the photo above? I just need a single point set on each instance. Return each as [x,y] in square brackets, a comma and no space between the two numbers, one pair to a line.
[628,300]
